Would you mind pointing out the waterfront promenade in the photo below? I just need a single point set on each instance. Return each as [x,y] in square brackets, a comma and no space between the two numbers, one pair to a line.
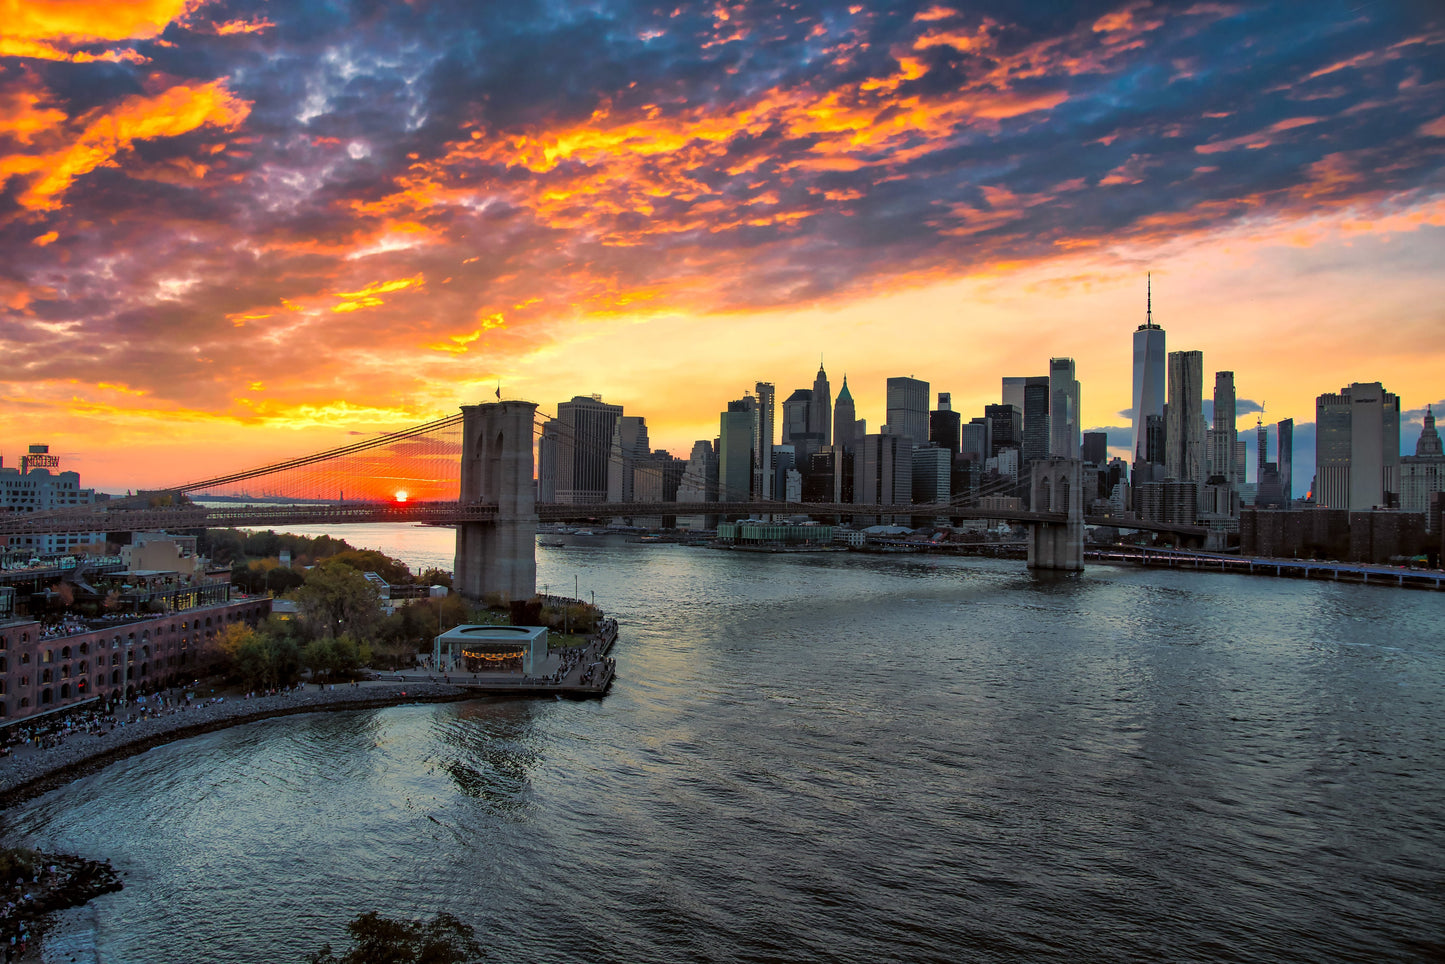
[31,770]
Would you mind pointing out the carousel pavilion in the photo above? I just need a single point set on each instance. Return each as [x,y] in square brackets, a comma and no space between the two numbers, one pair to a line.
[492,649]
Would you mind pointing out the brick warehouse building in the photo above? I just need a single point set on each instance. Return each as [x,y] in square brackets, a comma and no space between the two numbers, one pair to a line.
[119,660]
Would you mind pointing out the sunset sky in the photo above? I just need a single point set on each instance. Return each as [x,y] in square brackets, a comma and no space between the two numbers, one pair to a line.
[233,232]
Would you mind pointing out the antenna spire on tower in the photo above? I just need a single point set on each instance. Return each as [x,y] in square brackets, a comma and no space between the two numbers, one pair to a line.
[1148,300]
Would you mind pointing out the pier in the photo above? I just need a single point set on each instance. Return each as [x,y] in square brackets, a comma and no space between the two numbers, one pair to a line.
[576,672]
[1263,566]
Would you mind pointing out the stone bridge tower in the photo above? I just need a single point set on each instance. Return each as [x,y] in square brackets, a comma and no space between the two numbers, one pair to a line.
[1057,486]
[501,556]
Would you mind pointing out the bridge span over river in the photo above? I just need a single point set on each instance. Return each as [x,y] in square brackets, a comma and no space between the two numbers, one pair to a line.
[491,447]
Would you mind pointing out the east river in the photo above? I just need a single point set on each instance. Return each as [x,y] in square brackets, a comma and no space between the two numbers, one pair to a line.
[831,758]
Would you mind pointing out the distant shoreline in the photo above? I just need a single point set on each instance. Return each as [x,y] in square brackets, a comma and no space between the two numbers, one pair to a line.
[30,774]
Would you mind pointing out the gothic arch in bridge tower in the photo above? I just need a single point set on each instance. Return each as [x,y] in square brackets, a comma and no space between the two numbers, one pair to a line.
[498,559]
[1056,489]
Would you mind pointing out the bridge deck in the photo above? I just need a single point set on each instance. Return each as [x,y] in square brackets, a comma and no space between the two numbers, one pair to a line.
[103,518]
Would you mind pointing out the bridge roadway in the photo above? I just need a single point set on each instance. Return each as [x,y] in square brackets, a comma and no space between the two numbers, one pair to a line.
[122,518]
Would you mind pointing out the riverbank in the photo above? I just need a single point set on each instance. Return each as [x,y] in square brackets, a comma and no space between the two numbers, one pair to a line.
[33,771]
[42,885]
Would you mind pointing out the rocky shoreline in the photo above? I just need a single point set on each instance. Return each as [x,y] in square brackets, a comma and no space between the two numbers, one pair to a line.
[32,772]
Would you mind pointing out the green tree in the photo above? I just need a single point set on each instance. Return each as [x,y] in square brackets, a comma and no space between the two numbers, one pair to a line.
[223,546]
[262,545]
[332,656]
[380,940]
[337,598]
[435,577]
[394,571]
[265,661]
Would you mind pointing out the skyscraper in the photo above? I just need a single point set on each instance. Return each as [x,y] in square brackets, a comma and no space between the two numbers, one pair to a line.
[1261,453]
[629,445]
[1036,419]
[908,408]
[1357,448]
[1423,473]
[1149,383]
[584,446]
[820,414]
[736,432]
[797,408]
[1184,424]
[943,424]
[1063,409]
[1006,426]
[883,470]
[845,425]
[1222,455]
[1284,442]
[1013,391]
[1095,448]
[763,439]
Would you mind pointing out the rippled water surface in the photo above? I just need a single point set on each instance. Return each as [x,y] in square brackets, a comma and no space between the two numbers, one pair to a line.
[833,758]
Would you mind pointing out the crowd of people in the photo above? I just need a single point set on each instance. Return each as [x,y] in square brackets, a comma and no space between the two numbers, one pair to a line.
[53,731]
[19,900]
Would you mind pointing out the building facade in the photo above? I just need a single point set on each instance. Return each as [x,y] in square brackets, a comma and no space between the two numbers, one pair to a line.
[34,487]
[1149,378]
[585,427]
[1064,426]
[1184,423]
[1036,419]
[1357,447]
[847,429]
[1424,472]
[908,409]
[943,424]
[40,671]
[1223,458]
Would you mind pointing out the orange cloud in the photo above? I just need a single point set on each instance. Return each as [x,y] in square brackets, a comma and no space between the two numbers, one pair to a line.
[99,136]
[244,26]
[629,174]
[46,29]
[25,112]
[369,297]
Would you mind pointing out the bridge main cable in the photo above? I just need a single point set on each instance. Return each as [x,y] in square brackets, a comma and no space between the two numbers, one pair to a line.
[315,457]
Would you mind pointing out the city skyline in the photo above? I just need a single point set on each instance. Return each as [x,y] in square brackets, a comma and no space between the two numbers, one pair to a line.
[234,233]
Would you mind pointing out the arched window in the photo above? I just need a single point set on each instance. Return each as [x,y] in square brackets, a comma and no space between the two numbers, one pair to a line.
[44,677]
[2,707]
[4,667]
[85,666]
[1045,497]
[3,642]
[49,656]
[85,649]
[1061,495]
[24,659]
[46,698]
[24,702]
[65,652]
[65,691]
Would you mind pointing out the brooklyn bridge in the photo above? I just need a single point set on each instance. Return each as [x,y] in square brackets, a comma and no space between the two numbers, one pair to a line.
[475,471]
